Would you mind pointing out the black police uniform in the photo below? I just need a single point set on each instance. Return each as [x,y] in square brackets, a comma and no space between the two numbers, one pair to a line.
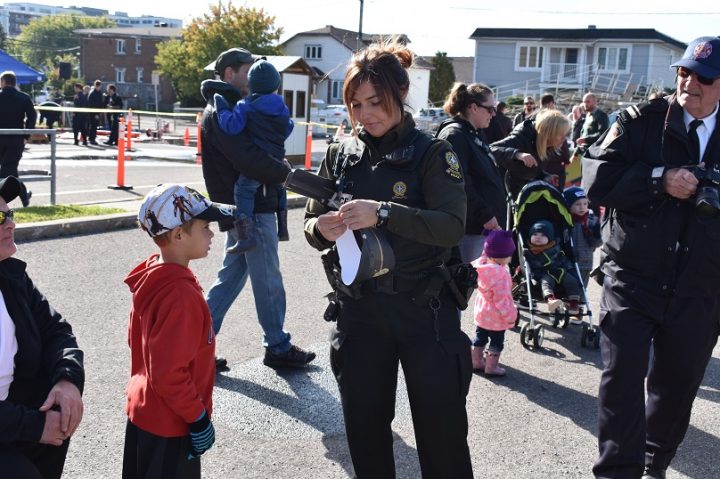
[18,112]
[661,265]
[388,322]
[80,120]
[113,101]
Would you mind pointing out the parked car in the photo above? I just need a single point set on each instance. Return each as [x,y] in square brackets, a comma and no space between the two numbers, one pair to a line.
[428,119]
[334,115]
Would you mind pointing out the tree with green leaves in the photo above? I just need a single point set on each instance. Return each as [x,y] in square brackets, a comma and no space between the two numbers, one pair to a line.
[441,78]
[226,26]
[42,41]
[3,39]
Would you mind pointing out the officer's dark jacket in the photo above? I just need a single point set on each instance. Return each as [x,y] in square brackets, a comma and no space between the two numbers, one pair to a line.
[426,194]
[484,185]
[95,99]
[16,111]
[114,102]
[80,101]
[47,353]
[226,156]
[651,239]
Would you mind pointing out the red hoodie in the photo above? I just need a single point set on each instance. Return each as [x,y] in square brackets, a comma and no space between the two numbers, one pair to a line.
[172,345]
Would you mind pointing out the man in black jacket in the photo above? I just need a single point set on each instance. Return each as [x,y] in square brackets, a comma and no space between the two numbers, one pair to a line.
[661,266]
[223,157]
[41,367]
[113,101]
[17,112]
[95,100]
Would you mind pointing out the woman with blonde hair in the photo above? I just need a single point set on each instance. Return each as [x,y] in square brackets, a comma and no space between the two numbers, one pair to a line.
[540,145]
[400,184]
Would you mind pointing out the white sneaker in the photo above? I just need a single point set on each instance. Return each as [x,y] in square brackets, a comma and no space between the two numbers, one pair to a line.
[575,320]
[555,305]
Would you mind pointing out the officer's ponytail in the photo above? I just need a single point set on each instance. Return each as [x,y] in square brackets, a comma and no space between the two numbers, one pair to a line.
[462,96]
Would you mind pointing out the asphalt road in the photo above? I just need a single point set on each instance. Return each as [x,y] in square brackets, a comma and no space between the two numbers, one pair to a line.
[539,421]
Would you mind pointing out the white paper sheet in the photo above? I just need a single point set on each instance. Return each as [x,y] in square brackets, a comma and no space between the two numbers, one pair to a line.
[349,253]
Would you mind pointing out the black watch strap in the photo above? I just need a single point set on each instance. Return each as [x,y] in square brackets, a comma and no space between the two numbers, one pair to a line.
[383,214]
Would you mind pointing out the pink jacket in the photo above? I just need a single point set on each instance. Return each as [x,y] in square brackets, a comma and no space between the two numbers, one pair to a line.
[494,306]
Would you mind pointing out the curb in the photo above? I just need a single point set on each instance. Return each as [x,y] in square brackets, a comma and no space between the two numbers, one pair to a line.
[94,224]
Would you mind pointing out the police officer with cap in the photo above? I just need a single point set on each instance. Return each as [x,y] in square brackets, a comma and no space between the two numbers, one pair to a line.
[407,189]
[657,170]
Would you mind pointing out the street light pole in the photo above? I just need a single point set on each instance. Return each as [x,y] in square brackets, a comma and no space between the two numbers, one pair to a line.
[359,38]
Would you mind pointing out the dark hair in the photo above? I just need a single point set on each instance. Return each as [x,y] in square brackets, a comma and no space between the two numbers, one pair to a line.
[546,99]
[385,66]
[462,96]
[8,77]
[78,85]
[112,87]
[501,105]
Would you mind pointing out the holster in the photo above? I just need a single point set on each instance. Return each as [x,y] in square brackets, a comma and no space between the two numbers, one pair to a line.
[458,279]
[331,265]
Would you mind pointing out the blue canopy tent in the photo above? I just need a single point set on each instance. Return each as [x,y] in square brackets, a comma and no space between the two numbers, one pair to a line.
[24,73]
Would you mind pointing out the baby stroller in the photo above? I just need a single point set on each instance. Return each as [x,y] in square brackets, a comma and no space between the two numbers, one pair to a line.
[536,201]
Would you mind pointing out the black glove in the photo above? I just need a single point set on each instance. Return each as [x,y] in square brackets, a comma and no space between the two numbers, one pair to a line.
[202,436]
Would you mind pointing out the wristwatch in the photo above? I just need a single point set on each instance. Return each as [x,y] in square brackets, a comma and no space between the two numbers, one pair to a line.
[383,214]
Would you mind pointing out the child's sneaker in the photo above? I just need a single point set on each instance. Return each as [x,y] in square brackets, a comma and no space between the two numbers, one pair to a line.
[554,304]
[246,239]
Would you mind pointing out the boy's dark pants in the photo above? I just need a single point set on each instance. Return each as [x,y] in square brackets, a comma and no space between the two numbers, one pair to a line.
[683,331]
[148,456]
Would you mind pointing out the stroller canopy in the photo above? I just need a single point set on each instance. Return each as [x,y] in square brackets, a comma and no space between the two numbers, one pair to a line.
[539,200]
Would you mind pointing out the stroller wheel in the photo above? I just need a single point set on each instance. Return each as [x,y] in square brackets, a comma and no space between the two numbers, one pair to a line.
[556,319]
[596,339]
[538,336]
[526,335]
[517,320]
[586,336]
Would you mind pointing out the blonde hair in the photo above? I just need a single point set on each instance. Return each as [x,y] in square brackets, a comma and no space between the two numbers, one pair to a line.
[384,65]
[549,124]
[462,96]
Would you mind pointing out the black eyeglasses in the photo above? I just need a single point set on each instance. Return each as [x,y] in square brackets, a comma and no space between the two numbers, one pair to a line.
[683,72]
[490,109]
[6,215]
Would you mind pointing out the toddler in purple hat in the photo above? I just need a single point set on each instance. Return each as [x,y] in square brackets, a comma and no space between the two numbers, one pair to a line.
[495,311]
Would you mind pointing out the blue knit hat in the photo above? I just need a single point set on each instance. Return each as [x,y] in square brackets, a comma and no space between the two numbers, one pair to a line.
[573,194]
[263,77]
[499,244]
[544,227]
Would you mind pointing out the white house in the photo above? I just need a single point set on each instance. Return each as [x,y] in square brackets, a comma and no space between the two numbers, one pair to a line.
[616,62]
[328,50]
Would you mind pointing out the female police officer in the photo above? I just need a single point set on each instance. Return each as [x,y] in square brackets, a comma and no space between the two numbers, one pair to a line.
[409,188]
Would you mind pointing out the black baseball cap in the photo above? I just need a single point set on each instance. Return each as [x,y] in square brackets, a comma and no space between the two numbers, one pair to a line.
[702,56]
[9,188]
[234,56]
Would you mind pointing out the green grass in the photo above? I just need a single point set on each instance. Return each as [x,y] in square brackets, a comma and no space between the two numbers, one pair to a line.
[35,214]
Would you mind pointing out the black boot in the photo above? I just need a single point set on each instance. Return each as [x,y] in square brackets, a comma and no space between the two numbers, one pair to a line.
[25,195]
[245,235]
[283,234]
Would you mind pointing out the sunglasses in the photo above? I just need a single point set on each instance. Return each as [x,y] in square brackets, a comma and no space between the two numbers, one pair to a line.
[490,109]
[6,215]
[683,72]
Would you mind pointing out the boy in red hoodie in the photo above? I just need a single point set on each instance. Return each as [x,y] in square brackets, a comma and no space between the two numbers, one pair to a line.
[172,344]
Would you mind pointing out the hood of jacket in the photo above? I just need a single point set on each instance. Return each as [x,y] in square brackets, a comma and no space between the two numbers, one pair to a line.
[150,278]
[208,88]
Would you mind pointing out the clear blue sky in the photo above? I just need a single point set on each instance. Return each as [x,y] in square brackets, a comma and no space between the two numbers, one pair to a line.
[447,28]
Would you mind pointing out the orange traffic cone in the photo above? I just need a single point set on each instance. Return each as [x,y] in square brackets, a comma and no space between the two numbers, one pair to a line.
[186,137]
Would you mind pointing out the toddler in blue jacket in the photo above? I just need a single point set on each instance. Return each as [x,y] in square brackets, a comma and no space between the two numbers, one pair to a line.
[264,116]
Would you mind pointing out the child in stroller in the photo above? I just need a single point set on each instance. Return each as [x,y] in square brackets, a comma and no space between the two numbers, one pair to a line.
[550,267]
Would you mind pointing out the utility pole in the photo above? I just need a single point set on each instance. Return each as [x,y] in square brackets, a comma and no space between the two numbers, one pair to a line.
[359,37]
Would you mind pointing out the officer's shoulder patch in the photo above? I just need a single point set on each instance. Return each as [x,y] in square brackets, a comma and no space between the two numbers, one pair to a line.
[453,165]
[615,132]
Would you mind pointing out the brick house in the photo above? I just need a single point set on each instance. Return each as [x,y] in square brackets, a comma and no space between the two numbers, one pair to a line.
[126,57]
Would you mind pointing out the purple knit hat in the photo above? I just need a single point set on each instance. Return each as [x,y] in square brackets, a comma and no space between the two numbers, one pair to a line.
[499,244]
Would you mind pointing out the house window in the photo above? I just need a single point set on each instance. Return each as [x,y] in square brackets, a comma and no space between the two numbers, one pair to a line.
[529,57]
[138,46]
[313,52]
[336,91]
[120,47]
[288,99]
[120,75]
[140,73]
[613,58]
